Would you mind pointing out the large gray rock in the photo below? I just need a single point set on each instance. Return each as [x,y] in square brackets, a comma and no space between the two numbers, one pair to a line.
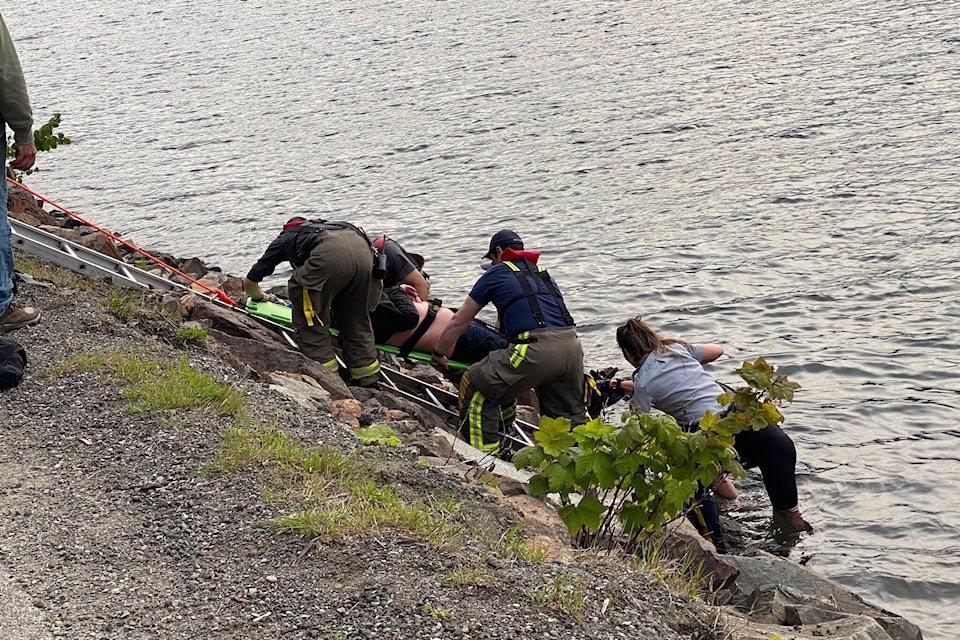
[303,390]
[261,358]
[782,594]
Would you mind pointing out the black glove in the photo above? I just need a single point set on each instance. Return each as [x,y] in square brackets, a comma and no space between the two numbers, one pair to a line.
[603,374]
[611,391]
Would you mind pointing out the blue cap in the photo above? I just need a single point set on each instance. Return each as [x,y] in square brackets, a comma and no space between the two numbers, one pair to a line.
[503,239]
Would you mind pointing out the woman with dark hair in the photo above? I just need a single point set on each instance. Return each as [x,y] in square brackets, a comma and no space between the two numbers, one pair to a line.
[669,376]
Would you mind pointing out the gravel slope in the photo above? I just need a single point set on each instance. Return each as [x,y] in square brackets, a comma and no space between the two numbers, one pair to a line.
[111,529]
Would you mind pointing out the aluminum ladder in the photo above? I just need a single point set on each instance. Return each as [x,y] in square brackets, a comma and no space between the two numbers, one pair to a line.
[88,262]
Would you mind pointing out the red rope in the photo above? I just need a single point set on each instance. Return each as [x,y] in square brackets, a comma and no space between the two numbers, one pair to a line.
[217,292]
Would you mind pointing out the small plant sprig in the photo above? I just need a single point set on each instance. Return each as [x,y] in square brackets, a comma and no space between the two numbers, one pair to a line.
[635,478]
[44,139]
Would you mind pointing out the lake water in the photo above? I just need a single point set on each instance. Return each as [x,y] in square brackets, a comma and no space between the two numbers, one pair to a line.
[781,178]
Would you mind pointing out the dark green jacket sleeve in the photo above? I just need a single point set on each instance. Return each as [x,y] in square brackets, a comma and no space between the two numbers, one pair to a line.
[14,102]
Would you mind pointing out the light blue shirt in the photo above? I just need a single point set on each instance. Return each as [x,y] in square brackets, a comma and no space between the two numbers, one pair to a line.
[675,383]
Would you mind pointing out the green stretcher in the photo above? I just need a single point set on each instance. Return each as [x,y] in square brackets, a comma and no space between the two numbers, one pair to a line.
[282,315]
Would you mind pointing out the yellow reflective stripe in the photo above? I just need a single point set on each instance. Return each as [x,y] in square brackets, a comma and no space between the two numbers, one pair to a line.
[308,310]
[519,353]
[332,365]
[365,372]
[475,420]
[516,268]
[704,530]
[507,414]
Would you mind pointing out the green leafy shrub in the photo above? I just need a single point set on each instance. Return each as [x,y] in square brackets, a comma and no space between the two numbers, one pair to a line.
[44,139]
[633,479]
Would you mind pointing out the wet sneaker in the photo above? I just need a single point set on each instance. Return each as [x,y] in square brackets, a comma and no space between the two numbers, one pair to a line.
[15,317]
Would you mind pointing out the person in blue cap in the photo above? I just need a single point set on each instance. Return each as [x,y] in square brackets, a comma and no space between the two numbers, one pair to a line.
[544,352]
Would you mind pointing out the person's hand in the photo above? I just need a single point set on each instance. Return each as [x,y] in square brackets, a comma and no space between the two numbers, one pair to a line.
[267,297]
[26,156]
[439,360]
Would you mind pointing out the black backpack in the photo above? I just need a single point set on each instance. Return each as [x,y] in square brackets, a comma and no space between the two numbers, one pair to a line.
[13,359]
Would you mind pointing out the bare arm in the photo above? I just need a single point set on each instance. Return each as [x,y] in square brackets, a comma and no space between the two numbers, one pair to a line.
[416,280]
[711,352]
[458,324]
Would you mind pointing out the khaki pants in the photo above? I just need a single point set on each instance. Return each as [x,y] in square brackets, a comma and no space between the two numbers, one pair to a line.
[337,277]
[552,364]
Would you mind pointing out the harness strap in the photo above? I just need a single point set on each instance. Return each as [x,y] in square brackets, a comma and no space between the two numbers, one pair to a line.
[319,226]
[545,286]
[411,343]
[308,310]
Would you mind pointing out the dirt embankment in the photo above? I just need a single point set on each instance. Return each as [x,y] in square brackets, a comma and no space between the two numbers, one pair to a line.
[117,524]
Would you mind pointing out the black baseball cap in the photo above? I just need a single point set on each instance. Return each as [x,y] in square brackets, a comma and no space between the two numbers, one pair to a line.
[503,239]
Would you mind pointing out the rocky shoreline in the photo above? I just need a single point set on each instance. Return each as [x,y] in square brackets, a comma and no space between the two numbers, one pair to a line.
[120,524]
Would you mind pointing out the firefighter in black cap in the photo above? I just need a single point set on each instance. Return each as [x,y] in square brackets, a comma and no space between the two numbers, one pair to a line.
[544,351]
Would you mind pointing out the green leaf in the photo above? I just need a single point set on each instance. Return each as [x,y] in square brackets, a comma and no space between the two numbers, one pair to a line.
[634,518]
[630,435]
[378,434]
[627,464]
[554,436]
[561,477]
[588,513]
[599,465]
[532,457]
[771,415]
[593,434]
[539,485]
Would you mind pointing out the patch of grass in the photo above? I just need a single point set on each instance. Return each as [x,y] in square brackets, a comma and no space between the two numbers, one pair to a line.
[192,334]
[681,576]
[338,496]
[122,303]
[561,594]
[157,386]
[44,271]
[513,545]
[269,446]
[182,387]
[367,507]
[434,612]
[467,576]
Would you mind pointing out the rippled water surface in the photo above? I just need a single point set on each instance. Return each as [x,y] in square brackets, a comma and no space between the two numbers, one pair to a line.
[778,177]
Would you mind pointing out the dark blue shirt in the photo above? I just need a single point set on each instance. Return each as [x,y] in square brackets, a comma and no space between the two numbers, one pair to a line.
[500,285]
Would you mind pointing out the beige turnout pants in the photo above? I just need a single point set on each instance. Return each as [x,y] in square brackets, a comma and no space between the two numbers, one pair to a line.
[551,363]
[337,278]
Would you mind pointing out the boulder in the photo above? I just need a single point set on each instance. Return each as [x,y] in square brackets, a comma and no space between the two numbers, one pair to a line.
[101,244]
[303,390]
[781,593]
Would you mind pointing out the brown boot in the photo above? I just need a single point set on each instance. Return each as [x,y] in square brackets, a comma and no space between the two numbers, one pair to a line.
[791,519]
[15,317]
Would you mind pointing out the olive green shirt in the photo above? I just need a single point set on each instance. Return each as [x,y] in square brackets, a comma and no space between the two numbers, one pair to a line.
[14,103]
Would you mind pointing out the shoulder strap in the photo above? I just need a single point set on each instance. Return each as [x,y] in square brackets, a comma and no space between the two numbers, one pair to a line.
[545,286]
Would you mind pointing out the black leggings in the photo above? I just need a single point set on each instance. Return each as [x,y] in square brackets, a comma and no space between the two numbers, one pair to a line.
[773,452]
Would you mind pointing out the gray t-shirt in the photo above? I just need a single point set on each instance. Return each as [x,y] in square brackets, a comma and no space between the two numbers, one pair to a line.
[675,383]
